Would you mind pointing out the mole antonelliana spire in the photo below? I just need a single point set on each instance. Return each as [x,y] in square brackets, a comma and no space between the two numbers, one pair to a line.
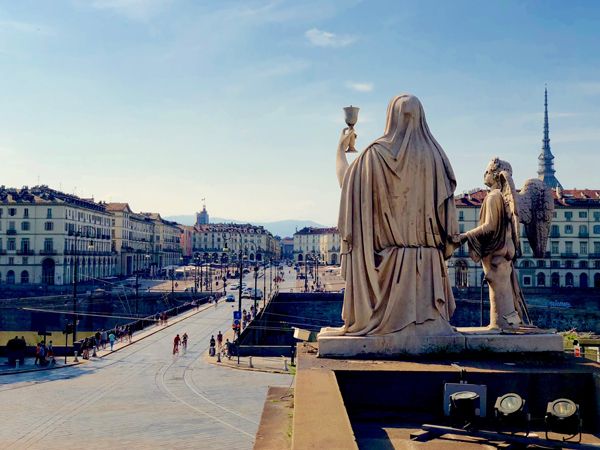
[546,159]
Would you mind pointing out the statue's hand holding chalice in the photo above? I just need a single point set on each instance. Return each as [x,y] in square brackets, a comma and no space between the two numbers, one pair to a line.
[348,137]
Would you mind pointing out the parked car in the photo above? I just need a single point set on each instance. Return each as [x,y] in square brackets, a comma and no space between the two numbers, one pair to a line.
[230,298]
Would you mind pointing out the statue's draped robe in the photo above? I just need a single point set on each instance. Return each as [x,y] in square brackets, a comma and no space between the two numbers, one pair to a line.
[396,216]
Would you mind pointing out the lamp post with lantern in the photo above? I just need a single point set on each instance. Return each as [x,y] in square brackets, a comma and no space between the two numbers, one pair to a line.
[83,232]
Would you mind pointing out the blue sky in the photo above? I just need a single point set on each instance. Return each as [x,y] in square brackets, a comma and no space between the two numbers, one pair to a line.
[160,103]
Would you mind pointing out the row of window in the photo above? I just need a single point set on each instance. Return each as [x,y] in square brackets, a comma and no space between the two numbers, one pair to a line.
[541,281]
[583,230]
[12,212]
[568,264]
[568,215]
[25,247]
[26,225]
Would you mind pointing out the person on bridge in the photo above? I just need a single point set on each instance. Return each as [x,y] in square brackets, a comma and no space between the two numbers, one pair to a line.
[219,340]
[176,343]
[211,350]
[111,339]
[184,342]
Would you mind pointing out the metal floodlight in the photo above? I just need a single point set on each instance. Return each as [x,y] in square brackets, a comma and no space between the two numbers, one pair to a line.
[511,413]
[463,408]
[562,416]
[509,405]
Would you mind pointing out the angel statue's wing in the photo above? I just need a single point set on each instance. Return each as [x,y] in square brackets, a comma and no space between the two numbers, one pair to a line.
[536,206]
[511,204]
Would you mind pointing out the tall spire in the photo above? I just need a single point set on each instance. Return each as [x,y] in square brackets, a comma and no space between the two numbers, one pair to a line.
[546,159]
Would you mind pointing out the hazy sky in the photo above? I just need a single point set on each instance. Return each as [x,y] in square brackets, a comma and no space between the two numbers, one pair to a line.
[160,103]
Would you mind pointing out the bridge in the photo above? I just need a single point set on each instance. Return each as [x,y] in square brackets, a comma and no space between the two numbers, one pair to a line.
[140,397]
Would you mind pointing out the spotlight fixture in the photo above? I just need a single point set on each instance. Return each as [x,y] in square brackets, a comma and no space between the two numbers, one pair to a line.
[509,405]
[510,412]
[562,416]
[464,407]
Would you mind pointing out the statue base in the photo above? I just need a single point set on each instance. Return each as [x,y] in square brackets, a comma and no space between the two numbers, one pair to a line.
[465,340]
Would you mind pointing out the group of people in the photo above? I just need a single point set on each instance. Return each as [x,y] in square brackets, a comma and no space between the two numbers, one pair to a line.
[218,346]
[177,341]
[161,318]
[44,354]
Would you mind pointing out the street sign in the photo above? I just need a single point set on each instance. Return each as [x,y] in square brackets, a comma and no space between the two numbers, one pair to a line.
[237,315]
[44,333]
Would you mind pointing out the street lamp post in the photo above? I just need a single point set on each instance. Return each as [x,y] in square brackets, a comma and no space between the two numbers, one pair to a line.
[317,275]
[264,283]
[271,276]
[306,274]
[77,234]
[255,286]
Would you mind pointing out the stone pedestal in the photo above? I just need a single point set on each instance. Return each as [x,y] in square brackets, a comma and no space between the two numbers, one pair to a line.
[465,340]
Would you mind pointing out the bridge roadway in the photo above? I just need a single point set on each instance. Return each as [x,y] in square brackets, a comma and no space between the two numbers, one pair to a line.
[140,397]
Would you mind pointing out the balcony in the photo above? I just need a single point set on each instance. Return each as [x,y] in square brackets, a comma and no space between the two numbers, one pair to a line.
[584,234]
[594,255]
[554,234]
[11,232]
[569,255]
[25,251]
[48,252]
[2,252]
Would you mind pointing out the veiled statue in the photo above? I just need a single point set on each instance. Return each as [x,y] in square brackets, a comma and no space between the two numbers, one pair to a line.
[396,221]
[496,240]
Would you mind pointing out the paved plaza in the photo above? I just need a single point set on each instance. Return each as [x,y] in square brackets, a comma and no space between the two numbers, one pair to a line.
[140,397]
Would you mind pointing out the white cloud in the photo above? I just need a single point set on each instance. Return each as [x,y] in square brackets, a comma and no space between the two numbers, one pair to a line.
[133,9]
[322,38]
[360,87]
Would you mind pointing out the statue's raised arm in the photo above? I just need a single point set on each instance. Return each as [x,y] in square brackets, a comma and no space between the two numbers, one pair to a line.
[341,162]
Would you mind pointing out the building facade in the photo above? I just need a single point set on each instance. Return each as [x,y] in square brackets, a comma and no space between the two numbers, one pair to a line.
[572,257]
[166,242]
[49,237]
[220,242]
[287,248]
[321,242]
[132,236]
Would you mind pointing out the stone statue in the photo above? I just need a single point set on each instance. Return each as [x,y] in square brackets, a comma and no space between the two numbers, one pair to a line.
[396,222]
[495,242]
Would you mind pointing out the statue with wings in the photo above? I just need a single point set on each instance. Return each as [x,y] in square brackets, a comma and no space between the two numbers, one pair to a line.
[496,240]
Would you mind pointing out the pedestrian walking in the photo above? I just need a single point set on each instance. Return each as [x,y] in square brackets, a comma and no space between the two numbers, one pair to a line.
[176,343]
[184,340]
[42,355]
[37,354]
[50,352]
[211,350]
[219,340]
[104,338]
[98,337]
[228,349]
[112,338]
[129,332]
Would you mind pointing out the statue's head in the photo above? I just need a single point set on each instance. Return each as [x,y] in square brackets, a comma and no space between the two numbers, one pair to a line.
[491,177]
[401,110]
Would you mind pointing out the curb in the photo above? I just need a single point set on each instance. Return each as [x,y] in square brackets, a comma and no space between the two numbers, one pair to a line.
[41,369]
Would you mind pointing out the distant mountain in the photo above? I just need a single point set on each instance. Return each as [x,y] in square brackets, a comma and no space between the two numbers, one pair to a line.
[281,228]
